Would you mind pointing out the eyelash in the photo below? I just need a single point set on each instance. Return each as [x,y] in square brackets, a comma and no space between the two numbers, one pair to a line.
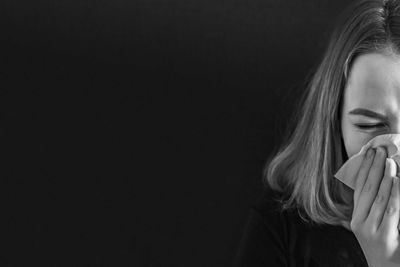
[369,126]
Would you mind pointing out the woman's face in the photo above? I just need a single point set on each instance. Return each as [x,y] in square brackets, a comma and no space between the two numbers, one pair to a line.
[371,100]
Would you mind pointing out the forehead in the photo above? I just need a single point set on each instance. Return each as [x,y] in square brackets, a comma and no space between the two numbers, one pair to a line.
[374,82]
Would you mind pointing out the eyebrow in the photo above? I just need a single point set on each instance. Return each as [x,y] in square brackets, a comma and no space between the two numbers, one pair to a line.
[368,113]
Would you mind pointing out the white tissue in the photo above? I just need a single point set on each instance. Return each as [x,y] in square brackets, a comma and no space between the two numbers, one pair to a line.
[347,173]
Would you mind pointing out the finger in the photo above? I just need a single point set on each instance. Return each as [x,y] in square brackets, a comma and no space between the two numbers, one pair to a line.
[371,185]
[379,205]
[388,226]
[362,175]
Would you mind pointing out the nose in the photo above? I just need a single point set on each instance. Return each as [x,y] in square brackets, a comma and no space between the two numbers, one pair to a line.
[393,121]
[395,127]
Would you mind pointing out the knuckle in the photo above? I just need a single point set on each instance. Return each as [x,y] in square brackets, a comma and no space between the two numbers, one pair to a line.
[379,198]
[367,187]
[391,209]
[384,188]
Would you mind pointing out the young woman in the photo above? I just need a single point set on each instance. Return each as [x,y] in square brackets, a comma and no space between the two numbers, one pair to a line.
[307,217]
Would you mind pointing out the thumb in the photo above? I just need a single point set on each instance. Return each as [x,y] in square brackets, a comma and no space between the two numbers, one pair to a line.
[391,216]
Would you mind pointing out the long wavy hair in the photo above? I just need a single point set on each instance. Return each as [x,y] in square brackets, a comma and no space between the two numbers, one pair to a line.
[312,149]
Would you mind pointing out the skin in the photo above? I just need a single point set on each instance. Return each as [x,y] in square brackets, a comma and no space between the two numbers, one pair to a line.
[374,84]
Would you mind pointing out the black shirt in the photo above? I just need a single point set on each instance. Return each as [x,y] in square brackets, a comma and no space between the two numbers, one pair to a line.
[275,238]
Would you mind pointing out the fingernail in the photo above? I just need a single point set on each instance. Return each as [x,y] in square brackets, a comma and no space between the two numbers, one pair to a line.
[390,169]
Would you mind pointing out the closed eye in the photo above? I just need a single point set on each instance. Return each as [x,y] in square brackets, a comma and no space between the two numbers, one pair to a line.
[369,126]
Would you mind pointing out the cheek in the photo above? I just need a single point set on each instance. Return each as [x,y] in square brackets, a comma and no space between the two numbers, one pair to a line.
[353,146]
[354,141]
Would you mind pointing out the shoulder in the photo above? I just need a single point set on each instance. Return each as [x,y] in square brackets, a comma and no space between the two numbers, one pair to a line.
[269,201]
[265,239]
[269,219]
[269,208]
[274,236]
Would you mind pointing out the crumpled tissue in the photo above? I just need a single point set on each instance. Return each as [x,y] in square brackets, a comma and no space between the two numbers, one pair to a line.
[348,172]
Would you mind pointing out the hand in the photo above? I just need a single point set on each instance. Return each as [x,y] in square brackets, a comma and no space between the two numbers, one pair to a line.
[376,209]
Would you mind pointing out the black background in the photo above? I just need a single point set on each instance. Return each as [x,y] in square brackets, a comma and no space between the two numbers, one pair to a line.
[134,132]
